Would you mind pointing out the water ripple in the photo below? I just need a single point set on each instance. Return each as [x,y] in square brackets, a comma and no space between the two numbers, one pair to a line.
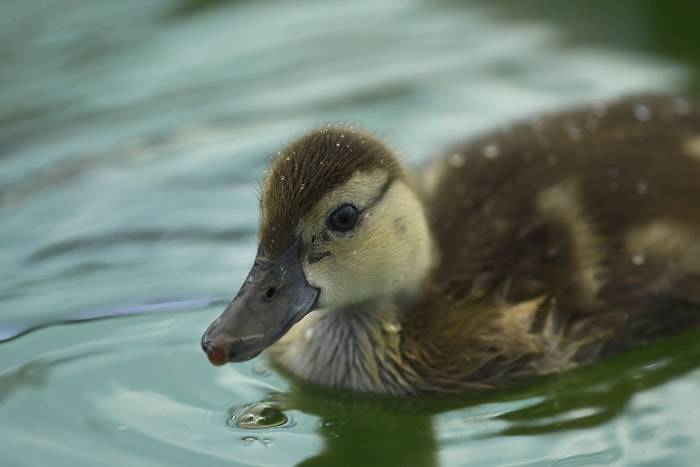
[9,331]
[139,236]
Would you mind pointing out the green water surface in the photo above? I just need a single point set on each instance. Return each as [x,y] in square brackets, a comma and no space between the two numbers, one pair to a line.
[132,137]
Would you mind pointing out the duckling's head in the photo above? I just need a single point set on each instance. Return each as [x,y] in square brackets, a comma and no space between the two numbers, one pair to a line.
[339,226]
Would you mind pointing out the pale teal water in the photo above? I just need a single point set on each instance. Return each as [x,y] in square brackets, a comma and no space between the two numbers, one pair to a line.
[132,136]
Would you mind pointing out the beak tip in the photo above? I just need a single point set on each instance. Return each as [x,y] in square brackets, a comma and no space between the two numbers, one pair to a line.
[258,316]
[215,354]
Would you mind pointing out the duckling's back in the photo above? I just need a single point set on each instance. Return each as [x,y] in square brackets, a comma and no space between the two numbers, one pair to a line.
[592,217]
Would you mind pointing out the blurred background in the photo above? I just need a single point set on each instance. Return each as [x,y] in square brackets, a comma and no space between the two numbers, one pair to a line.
[132,138]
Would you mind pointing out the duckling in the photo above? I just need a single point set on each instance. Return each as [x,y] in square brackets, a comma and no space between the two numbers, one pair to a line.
[527,251]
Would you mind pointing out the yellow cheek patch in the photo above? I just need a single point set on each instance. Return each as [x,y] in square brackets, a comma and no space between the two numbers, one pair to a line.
[390,252]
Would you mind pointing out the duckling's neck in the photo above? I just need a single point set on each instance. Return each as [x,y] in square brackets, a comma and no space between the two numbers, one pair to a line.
[357,347]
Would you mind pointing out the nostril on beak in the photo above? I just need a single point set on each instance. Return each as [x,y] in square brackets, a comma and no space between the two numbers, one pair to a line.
[270,293]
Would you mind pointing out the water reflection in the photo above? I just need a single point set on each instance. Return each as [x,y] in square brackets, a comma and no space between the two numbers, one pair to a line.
[34,374]
[368,430]
[367,434]
[596,395]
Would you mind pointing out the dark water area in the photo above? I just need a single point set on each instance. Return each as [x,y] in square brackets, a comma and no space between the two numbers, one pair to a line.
[132,138]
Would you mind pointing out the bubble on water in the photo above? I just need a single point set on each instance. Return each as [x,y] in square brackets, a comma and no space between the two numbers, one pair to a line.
[491,151]
[337,144]
[259,415]
[329,422]
[456,160]
[642,113]
[282,177]
[249,440]
[330,426]
[253,440]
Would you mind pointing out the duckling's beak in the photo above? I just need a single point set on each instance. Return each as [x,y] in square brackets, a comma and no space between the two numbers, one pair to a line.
[274,296]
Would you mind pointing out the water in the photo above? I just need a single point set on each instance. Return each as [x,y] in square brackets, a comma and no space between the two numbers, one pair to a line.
[132,136]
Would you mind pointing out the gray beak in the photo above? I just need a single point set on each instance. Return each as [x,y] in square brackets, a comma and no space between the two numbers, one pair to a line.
[274,297]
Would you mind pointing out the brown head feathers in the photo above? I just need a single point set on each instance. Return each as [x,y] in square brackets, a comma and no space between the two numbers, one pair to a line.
[309,168]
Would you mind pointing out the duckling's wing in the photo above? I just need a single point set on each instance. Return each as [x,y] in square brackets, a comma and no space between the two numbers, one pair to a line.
[564,203]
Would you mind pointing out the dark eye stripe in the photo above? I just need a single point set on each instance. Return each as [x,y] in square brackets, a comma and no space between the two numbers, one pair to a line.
[378,198]
[382,192]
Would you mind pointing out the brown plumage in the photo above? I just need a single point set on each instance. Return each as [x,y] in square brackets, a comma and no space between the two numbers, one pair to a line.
[619,169]
[551,243]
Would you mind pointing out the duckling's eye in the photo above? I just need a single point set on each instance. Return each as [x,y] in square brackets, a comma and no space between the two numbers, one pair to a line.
[343,219]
